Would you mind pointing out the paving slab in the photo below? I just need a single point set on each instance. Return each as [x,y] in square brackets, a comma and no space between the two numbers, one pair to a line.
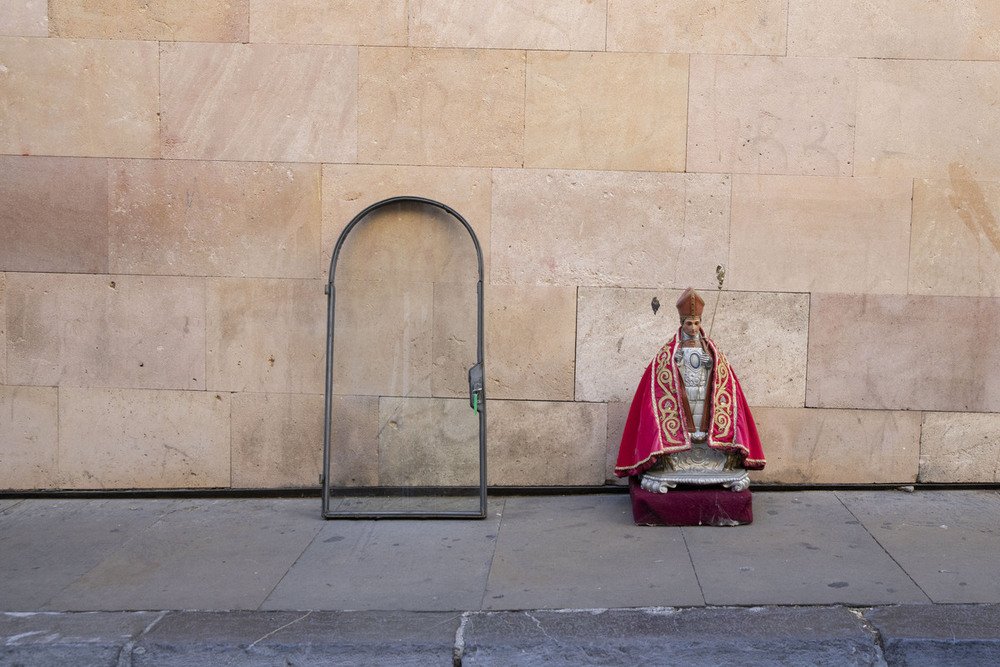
[584,552]
[89,638]
[714,636]
[418,565]
[946,541]
[8,503]
[252,639]
[939,634]
[46,545]
[802,548]
[199,554]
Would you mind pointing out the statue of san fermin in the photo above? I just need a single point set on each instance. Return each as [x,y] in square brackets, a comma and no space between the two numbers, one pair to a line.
[690,438]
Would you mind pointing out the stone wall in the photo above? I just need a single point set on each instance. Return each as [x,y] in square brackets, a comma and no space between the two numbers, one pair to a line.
[174,175]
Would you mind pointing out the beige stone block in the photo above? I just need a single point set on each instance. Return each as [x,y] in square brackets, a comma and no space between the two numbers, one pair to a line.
[215,218]
[29,437]
[546,444]
[906,29]
[566,25]
[266,335]
[455,339]
[3,328]
[427,442]
[141,439]
[804,234]
[698,26]
[955,237]
[79,98]
[923,118]
[772,115]
[24,18]
[904,353]
[617,416]
[383,338]
[53,214]
[764,337]
[105,331]
[530,341]
[416,339]
[618,333]
[804,446]
[349,22]
[158,20]
[406,241]
[960,448]
[277,440]
[449,107]
[608,228]
[259,102]
[575,117]
[354,437]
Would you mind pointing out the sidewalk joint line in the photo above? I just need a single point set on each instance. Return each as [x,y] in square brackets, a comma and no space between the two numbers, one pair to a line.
[882,546]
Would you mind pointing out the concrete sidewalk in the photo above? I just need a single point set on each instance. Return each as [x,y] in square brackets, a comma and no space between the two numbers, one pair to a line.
[885,577]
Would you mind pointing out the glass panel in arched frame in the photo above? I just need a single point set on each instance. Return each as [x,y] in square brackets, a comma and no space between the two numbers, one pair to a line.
[405,417]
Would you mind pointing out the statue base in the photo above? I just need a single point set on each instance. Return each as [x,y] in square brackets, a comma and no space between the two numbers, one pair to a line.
[694,507]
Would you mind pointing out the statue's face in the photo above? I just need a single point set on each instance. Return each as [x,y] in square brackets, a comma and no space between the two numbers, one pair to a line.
[691,325]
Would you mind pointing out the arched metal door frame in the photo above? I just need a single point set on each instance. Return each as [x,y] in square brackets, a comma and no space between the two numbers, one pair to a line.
[477,394]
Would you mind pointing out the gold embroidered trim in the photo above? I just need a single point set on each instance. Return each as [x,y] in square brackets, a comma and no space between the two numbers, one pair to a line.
[669,411]
[724,414]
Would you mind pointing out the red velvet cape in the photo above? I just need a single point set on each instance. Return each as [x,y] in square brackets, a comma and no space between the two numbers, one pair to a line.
[656,420]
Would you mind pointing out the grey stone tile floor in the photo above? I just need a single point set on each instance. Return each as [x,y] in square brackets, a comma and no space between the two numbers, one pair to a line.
[819,578]
[531,552]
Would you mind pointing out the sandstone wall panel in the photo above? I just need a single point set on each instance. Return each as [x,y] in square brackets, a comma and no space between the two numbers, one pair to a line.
[772,115]
[29,437]
[3,328]
[923,118]
[955,237]
[617,416]
[24,18]
[803,234]
[698,26]
[176,20]
[805,446]
[454,339]
[349,22]
[960,448]
[277,440]
[546,444]
[265,335]
[530,340]
[105,331]
[886,352]
[406,241]
[53,214]
[259,102]
[383,338]
[354,436]
[564,25]
[448,107]
[427,442]
[904,29]
[575,117]
[139,439]
[215,218]
[608,228]
[79,98]
[764,337]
